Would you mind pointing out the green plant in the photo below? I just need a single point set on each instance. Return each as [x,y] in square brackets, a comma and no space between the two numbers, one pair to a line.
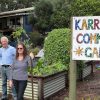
[57,46]
[35,50]
[38,67]
[28,44]
[80,67]
[56,51]
[43,11]
[42,69]
[35,38]
[18,32]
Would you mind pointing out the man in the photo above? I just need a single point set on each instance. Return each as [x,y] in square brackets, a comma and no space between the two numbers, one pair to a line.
[7,55]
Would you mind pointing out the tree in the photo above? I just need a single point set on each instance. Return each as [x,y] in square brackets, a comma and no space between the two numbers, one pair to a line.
[64,10]
[25,3]
[60,18]
[84,7]
[41,19]
[7,5]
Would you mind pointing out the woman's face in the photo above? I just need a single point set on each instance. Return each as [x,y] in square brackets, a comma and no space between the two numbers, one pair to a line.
[20,49]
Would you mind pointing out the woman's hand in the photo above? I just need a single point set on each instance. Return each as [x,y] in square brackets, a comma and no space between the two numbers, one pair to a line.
[10,83]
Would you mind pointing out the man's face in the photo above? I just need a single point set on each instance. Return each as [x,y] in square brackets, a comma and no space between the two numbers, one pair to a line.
[4,43]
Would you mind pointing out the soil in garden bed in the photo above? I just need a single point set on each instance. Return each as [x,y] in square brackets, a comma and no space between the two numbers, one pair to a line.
[88,89]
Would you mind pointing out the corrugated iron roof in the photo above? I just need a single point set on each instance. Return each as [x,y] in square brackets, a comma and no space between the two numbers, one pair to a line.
[16,11]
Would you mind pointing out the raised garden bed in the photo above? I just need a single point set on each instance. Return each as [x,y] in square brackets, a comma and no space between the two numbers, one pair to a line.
[86,70]
[44,86]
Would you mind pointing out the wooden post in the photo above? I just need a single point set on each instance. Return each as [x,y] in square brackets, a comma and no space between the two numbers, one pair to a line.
[40,85]
[72,80]
[72,74]
[32,78]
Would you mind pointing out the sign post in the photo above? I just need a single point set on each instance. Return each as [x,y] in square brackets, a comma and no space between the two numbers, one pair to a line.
[72,82]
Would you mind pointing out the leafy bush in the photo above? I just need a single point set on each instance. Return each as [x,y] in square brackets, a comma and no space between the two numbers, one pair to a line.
[42,69]
[18,32]
[35,50]
[57,46]
[56,53]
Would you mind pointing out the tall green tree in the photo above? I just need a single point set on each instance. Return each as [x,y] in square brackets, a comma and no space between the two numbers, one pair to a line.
[7,5]
[84,7]
[41,19]
[26,3]
[60,17]
[64,10]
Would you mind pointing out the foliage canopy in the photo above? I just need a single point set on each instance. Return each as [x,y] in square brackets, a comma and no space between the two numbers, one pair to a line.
[57,46]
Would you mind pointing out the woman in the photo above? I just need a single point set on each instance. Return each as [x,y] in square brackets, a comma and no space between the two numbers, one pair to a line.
[19,70]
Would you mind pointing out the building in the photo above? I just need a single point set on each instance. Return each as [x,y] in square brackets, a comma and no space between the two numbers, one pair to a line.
[17,18]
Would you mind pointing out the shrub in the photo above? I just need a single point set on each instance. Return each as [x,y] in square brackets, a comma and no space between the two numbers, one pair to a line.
[42,69]
[18,33]
[35,50]
[57,46]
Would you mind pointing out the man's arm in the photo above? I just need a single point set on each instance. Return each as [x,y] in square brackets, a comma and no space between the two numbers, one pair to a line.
[14,51]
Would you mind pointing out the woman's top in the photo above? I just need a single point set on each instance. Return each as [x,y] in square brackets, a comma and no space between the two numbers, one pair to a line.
[20,68]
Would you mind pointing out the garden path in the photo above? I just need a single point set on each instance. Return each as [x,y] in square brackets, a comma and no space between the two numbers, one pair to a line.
[88,89]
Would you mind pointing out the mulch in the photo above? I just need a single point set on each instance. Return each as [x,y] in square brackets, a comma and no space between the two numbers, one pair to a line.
[88,89]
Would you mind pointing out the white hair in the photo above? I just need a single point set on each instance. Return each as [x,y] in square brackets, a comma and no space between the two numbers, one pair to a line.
[4,38]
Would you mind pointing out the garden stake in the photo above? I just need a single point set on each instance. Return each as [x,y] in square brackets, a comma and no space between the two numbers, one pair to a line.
[32,78]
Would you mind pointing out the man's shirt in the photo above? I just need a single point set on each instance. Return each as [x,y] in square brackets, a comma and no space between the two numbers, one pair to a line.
[7,55]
